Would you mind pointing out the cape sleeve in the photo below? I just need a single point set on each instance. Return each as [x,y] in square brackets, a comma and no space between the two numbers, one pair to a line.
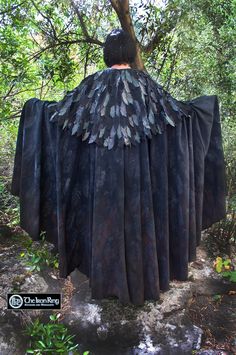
[34,180]
[206,121]
[26,173]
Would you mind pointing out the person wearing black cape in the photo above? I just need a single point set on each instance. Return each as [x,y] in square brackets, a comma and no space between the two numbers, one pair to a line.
[121,176]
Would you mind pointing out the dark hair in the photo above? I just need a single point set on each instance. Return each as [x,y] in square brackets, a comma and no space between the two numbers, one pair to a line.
[119,48]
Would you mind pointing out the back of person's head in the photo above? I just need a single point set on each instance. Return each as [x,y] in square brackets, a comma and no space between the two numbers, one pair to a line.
[119,48]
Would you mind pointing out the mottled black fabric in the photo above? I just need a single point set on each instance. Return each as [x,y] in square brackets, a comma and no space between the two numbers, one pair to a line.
[127,213]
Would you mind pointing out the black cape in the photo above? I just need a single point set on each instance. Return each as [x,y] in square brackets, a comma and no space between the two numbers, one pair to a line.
[123,178]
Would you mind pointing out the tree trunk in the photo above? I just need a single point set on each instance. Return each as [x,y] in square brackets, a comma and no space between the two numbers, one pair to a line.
[121,8]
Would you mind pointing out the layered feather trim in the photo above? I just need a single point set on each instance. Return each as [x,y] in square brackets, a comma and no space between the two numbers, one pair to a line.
[117,107]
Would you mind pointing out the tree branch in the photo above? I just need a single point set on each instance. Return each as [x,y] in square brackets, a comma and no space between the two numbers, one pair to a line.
[9,91]
[81,20]
[121,8]
[10,94]
[153,43]
[172,66]
[158,36]
[12,8]
[165,57]
[115,5]
[42,50]
[88,38]
[46,18]
[15,115]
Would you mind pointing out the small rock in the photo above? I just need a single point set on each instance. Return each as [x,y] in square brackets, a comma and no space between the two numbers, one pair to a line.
[102,331]
[53,277]
[197,265]
[34,284]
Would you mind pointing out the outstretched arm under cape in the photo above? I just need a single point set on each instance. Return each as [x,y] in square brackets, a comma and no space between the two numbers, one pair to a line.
[206,117]
[34,174]
[36,169]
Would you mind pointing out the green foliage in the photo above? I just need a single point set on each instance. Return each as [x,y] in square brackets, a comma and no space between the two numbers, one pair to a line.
[217,297]
[46,49]
[226,268]
[230,274]
[9,207]
[37,257]
[229,141]
[52,338]
[221,238]
[8,134]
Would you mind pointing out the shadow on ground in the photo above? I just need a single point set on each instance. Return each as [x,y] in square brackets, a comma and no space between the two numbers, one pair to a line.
[193,317]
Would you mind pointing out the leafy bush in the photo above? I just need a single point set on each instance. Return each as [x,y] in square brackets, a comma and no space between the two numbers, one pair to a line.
[225,268]
[52,338]
[221,238]
[8,135]
[39,256]
[9,204]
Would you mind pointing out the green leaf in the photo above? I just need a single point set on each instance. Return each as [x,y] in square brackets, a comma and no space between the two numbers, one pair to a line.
[59,344]
[41,343]
[60,350]
[219,265]
[37,259]
[53,317]
[217,297]
[226,273]
[227,262]
[73,347]
[233,276]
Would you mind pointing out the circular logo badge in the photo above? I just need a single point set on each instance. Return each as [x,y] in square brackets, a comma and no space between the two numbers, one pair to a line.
[15,301]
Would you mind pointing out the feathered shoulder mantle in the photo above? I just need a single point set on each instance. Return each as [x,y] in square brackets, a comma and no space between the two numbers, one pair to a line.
[118,107]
